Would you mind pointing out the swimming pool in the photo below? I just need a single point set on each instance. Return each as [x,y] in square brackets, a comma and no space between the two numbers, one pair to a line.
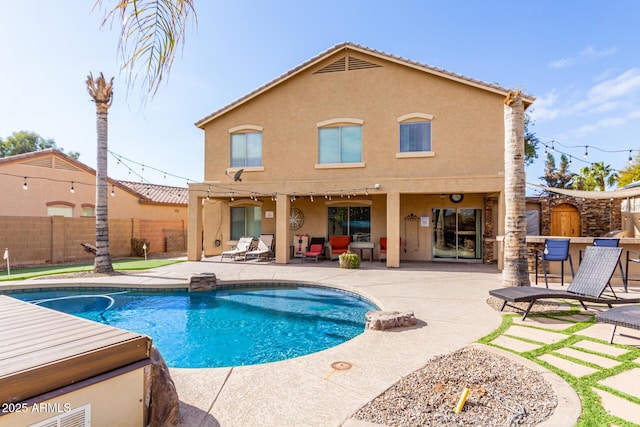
[224,327]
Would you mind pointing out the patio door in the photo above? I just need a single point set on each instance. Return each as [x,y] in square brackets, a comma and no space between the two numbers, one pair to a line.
[457,233]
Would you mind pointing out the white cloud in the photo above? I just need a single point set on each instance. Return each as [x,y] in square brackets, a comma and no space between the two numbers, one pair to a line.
[624,84]
[586,54]
[607,96]
[600,124]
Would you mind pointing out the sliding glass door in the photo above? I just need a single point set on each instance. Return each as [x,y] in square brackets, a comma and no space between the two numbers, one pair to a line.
[457,233]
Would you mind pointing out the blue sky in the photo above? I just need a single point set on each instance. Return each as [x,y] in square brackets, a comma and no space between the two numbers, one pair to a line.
[580,59]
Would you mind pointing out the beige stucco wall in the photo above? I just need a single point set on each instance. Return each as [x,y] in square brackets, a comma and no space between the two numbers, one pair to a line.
[49,180]
[467,150]
[118,401]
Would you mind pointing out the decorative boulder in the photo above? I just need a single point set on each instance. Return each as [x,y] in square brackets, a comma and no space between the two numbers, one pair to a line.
[383,320]
[203,282]
[164,404]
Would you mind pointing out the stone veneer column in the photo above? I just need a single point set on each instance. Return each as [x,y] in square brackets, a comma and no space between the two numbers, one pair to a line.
[283,229]
[393,229]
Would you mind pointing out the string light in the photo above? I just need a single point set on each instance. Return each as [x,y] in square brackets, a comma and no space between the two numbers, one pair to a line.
[630,158]
[24,186]
[113,191]
[586,152]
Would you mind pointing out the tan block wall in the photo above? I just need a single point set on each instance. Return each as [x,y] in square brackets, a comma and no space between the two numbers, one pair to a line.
[43,240]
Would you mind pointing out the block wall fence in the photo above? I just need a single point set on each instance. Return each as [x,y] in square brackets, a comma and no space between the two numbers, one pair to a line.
[57,239]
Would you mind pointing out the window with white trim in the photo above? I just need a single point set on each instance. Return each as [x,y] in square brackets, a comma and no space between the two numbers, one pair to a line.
[415,136]
[60,210]
[246,149]
[340,144]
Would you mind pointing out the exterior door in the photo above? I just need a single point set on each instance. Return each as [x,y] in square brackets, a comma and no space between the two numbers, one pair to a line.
[565,221]
[457,233]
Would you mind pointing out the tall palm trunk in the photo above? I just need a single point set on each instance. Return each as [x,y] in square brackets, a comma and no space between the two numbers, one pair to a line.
[102,94]
[515,271]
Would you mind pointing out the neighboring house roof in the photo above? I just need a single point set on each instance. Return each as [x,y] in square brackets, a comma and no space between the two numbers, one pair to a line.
[163,194]
[527,99]
[146,193]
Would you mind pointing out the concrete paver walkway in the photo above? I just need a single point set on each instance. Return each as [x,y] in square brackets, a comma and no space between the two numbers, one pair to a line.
[584,355]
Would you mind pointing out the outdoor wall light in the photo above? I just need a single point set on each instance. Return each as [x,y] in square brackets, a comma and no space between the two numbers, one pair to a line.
[376,186]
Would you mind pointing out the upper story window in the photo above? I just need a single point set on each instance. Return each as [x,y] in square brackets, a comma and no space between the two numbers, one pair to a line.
[88,210]
[246,146]
[60,209]
[340,141]
[415,133]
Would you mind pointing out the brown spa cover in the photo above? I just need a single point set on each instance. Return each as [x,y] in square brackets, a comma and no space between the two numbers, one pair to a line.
[42,349]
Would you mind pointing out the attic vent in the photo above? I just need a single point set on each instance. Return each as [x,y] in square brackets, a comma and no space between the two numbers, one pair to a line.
[360,64]
[43,162]
[78,417]
[61,164]
[339,65]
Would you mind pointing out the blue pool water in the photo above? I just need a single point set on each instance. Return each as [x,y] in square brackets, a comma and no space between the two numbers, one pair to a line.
[224,327]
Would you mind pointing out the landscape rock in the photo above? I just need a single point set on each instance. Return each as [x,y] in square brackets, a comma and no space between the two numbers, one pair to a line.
[383,320]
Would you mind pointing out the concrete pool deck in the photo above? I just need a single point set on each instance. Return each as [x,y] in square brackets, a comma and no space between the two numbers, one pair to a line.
[449,301]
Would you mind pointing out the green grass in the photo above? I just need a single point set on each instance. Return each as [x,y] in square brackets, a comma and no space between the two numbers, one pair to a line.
[50,270]
[593,413]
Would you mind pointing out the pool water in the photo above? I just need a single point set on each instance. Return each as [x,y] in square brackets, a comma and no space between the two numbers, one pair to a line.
[224,327]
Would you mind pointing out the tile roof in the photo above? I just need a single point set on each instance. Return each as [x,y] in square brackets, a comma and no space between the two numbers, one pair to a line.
[153,193]
[528,99]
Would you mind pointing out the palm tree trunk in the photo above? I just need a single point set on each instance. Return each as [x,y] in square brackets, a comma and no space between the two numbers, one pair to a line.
[102,94]
[515,272]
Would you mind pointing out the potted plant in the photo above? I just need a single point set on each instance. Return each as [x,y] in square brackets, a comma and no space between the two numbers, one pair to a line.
[349,260]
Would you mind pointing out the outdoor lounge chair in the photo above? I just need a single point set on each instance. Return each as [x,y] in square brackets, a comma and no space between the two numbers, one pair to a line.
[243,245]
[314,251]
[608,241]
[554,250]
[264,249]
[627,316]
[589,283]
[338,245]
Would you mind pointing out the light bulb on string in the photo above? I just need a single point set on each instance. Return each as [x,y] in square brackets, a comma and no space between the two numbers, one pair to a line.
[553,148]
[113,191]
[586,152]
[72,190]
[24,186]
[630,158]
[570,160]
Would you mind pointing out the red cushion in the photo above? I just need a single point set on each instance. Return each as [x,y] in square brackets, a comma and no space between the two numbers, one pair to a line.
[339,243]
[314,250]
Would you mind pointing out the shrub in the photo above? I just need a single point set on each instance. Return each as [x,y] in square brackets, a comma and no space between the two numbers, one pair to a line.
[137,247]
[349,260]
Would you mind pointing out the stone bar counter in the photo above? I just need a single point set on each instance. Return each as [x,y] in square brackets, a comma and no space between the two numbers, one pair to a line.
[630,245]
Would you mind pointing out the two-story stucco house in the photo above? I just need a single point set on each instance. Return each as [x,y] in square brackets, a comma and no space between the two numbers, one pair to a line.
[359,143]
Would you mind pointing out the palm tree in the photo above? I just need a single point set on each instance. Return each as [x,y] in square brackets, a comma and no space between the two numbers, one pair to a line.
[101,93]
[604,175]
[515,271]
[598,175]
[150,32]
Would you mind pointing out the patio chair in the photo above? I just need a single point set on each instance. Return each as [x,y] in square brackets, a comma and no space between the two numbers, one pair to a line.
[318,241]
[626,316]
[607,241]
[592,278]
[264,249]
[338,245]
[554,250]
[632,256]
[383,248]
[241,248]
[314,251]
